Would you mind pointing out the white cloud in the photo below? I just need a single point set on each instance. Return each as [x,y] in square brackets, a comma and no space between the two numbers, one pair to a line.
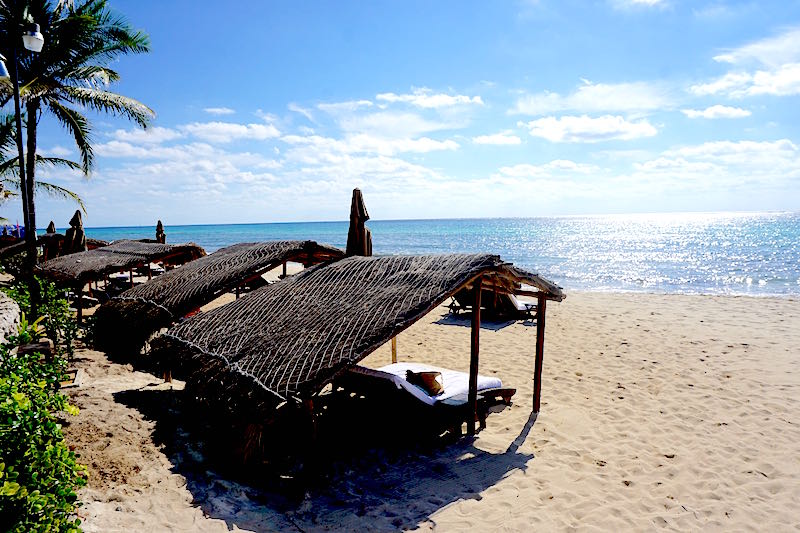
[781,81]
[223,132]
[725,84]
[719,166]
[219,110]
[319,147]
[301,110]
[743,153]
[772,51]
[717,111]
[598,98]
[497,139]
[152,135]
[589,130]
[56,151]
[393,124]
[774,69]
[348,106]
[425,98]
[629,4]
[553,168]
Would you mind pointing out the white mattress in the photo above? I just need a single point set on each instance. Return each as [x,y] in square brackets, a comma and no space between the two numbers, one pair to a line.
[455,384]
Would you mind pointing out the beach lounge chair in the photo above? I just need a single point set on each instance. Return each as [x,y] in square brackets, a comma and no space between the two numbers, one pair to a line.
[523,309]
[496,306]
[449,406]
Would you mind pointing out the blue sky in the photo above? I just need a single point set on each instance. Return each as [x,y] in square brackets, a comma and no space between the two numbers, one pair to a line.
[276,110]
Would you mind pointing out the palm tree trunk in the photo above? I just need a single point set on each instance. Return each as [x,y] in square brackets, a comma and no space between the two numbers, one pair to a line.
[30,171]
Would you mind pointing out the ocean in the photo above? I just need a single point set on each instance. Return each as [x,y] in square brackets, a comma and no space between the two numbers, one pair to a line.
[689,253]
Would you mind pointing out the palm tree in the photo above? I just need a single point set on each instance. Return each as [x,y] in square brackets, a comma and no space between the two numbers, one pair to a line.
[70,74]
[9,179]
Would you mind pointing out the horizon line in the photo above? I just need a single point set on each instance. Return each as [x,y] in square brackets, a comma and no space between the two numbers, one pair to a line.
[587,215]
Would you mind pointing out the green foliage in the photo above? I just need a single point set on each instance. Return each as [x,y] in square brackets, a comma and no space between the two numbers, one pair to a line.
[38,473]
[57,320]
[27,331]
[88,330]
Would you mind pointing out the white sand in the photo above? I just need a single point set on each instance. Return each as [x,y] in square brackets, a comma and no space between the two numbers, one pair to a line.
[676,412]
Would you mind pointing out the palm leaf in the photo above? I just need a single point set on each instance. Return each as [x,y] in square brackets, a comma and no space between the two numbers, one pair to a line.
[109,102]
[79,127]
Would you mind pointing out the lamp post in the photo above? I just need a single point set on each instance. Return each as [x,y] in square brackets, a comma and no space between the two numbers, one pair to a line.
[33,40]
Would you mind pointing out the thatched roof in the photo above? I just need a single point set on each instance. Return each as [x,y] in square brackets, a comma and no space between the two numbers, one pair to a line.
[289,339]
[83,267]
[127,320]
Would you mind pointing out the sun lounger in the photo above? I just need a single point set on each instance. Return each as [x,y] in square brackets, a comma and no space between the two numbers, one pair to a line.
[496,306]
[452,400]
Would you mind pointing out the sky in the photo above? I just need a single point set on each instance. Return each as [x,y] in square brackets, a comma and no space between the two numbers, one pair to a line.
[275,111]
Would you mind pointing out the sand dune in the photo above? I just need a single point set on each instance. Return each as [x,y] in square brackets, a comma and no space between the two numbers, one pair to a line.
[658,411]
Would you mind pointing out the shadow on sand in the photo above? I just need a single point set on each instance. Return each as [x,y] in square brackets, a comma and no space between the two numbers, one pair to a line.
[376,486]
[465,320]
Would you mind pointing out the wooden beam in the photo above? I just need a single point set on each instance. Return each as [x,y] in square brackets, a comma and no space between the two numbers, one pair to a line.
[473,359]
[394,349]
[131,273]
[537,375]
[284,270]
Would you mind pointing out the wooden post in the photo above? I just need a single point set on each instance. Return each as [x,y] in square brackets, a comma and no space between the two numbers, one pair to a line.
[149,271]
[394,349]
[131,273]
[537,375]
[472,399]
[308,407]
[284,270]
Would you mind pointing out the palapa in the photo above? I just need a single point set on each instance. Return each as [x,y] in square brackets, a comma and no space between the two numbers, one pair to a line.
[288,340]
[126,321]
[80,268]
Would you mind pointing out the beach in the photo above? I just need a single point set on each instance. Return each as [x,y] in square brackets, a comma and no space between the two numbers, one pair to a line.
[658,411]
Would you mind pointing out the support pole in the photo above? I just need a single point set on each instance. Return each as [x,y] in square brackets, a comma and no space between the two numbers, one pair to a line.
[537,375]
[237,292]
[473,360]
[394,349]
[284,270]
[149,271]
[131,273]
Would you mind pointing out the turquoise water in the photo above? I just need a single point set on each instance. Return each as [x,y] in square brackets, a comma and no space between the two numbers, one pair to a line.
[717,253]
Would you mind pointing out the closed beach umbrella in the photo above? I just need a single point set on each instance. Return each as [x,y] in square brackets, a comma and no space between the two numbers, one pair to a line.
[75,238]
[359,238]
[160,235]
[51,242]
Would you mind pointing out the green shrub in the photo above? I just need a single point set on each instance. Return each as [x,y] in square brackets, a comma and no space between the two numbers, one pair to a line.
[58,322]
[38,472]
